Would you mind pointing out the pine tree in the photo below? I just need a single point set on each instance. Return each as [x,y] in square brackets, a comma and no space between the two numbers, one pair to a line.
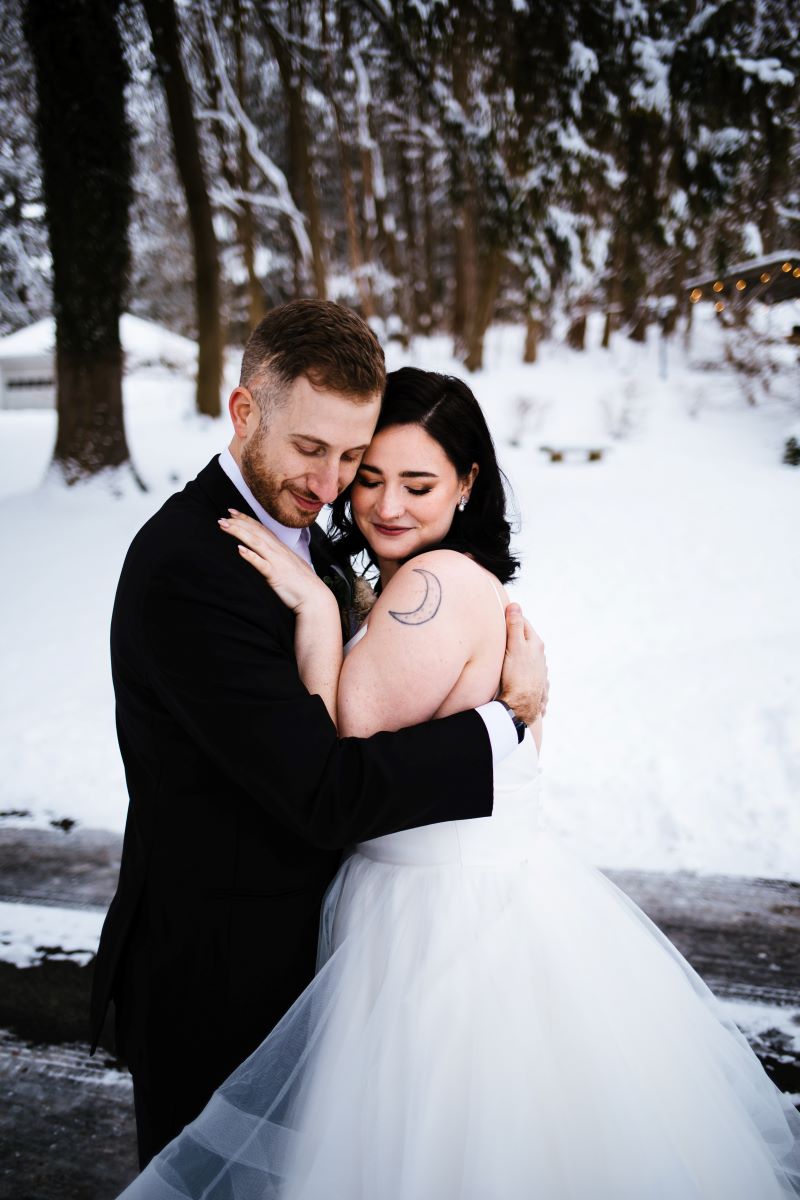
[25,285]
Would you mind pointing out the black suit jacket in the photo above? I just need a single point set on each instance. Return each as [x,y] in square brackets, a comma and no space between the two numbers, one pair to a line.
[241,795]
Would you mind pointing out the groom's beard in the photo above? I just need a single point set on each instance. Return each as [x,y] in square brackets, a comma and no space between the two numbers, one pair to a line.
[272,492]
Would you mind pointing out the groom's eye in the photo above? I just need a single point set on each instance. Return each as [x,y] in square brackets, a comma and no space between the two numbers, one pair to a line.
[310,451]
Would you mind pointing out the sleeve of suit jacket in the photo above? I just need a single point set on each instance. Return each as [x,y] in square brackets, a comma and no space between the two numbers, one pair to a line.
[227,675]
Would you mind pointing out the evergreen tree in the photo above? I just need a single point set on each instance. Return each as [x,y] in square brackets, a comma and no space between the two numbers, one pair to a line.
[25,286]
[84,148]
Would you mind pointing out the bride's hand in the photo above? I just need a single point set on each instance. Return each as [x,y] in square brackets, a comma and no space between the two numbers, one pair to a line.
[289,576]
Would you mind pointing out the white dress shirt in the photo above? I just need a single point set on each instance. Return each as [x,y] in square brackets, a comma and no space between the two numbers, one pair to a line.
[500,727]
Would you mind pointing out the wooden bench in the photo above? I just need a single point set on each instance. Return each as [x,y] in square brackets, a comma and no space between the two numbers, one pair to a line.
[582,453]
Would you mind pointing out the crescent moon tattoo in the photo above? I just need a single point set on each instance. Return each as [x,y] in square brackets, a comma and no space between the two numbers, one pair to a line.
[429,607]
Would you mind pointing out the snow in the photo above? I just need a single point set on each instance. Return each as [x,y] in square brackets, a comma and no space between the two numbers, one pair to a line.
[766,70]
[664,580]
[752,240]
[582,60]
[751,264]
[144,343]
[652,57]
[760,1023]
[38,338]
[31,933]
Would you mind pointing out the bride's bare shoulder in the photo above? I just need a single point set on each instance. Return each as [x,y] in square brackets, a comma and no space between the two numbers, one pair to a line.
[445,581]
[436,618]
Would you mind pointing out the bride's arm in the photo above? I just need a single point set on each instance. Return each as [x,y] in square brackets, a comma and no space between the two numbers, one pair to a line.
[318,648]
[318,630]
[436,617]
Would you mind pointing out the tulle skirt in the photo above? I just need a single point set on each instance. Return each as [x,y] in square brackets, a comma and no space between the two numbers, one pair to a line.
[491,1033]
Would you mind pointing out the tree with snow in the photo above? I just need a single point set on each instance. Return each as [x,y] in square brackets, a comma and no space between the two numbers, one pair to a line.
[84,145]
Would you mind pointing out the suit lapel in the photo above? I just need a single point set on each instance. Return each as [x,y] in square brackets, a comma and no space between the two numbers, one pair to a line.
[223,494]
[326,564]
[221,491]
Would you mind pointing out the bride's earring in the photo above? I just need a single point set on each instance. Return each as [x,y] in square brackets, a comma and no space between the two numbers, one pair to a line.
[462,504]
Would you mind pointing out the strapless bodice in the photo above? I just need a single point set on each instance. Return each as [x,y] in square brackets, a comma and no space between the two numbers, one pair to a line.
[504,839]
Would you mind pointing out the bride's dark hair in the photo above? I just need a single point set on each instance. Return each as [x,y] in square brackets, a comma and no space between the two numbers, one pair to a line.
[447,410]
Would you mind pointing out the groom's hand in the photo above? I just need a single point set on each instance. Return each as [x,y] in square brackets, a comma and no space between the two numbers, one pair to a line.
[524,685]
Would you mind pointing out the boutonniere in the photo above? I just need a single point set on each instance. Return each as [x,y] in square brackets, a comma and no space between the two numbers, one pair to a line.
[364,597]
[355,597]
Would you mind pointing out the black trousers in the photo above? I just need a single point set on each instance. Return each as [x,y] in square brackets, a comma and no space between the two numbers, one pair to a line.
[175,1068]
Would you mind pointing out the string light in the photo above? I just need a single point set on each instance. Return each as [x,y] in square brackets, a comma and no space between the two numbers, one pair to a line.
[786,266]
[718,307]
[719,287]
[696,295]
[765,277]
[740,285]
[796,272]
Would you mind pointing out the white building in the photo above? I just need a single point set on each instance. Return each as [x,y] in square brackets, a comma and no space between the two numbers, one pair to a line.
[27,367]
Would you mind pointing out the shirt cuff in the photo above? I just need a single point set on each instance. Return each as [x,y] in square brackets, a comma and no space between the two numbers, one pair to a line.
[501,730]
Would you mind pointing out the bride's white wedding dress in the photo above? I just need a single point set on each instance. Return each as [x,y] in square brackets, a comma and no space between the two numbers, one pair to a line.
[492,1020]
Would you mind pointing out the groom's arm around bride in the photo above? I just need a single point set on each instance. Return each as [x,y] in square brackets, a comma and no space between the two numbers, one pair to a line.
[241,795]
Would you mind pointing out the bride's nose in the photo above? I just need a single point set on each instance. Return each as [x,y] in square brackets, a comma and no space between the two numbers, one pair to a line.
[390,504]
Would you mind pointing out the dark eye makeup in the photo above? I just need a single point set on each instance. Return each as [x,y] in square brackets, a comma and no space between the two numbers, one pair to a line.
[373,483]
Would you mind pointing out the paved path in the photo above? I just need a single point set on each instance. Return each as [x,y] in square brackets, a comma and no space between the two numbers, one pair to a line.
[67,1120]
[66,1124]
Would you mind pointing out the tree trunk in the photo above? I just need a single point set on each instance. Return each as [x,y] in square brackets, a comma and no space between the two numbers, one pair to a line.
[301,174]
[355,250]
[91,433]
[163,23]
[245,225]
[379,221]
[533,333]
[576,334]
[430,301]
[608,329]
[638,332]
[409,266]
[84,145]
[490,283]
[465,295]
[613,295]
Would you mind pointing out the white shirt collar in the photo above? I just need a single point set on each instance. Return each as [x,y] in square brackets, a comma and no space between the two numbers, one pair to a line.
[296,539]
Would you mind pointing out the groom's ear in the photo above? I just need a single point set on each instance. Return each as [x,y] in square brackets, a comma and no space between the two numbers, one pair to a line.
[244,411]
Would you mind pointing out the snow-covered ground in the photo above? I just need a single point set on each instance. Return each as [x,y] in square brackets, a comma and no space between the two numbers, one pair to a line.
[31,933]
[664,579]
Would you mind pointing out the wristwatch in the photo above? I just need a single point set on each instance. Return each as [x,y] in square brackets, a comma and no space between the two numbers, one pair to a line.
[519,724]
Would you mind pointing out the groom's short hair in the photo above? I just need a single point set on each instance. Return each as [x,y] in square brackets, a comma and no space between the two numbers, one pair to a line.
[326,342]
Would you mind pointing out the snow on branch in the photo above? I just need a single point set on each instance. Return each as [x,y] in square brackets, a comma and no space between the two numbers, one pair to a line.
[283,201]
[365,138]
[701,19]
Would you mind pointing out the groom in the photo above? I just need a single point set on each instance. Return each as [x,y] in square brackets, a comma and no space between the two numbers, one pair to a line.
[241,796]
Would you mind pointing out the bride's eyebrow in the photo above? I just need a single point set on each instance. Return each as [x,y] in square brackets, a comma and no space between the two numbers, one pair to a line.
[403,474]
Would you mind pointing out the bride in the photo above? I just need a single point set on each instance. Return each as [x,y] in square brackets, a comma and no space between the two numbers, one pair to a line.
[491,1019]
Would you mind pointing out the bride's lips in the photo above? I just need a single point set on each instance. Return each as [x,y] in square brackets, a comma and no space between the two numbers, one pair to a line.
[391,530]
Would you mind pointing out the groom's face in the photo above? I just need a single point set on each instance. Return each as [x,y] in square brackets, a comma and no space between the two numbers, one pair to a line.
[305,451]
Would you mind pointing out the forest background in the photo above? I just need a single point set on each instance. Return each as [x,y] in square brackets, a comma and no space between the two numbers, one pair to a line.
[437,166]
